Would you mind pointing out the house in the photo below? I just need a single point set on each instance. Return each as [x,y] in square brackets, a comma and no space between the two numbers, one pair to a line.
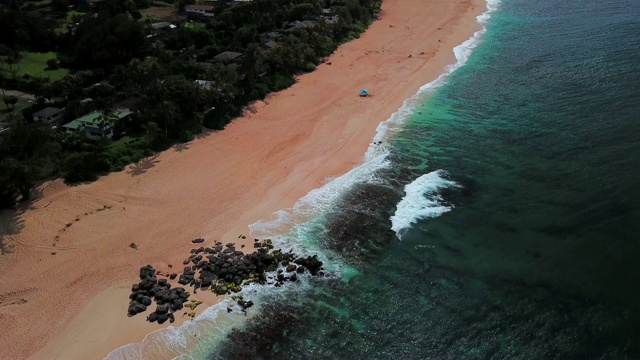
[331,19]
[297,25]
[269,35]
[205,84]
[269,45]
[52,115]
[199,10]
[162,25]
[93,125]
[228,56]
[329,16]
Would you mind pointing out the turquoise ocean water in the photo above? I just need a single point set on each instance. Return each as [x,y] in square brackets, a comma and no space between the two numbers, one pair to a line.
[499,218]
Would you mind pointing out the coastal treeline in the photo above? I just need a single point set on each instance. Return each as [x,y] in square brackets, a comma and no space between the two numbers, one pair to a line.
[196,65]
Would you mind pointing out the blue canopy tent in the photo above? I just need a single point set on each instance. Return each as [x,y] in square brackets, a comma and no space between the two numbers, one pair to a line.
[364,92]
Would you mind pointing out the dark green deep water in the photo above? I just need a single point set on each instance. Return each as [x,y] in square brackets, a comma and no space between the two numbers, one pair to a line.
[540,256]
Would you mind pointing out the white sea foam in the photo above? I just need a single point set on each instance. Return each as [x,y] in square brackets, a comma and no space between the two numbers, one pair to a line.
[214,323]
[196,339]
[421,201]
[462,53]
[174,341]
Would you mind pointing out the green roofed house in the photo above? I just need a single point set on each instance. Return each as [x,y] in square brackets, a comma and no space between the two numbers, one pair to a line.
[94,125]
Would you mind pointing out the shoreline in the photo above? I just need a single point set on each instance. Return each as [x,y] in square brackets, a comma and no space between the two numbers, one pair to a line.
[291,144]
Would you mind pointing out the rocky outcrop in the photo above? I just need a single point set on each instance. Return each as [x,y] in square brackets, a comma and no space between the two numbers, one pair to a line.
[220,269]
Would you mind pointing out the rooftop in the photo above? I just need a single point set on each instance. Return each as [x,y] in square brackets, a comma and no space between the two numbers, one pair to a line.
[270,45]
[48,111]
[199,7]
[162,25]
[228,55]
[93,119]
[301,24]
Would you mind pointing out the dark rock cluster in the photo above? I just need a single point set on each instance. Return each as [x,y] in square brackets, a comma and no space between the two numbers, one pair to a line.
[220,269]
[151,289]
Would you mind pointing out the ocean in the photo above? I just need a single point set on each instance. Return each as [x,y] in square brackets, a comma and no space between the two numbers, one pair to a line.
[495,216]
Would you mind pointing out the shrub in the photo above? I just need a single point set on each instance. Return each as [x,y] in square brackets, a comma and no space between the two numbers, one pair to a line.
[86,166]
[259,91]
[214,121]
[52,64]
[279,82]
[309,66]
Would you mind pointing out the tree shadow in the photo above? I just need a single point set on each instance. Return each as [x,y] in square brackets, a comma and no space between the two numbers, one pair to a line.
[204,133]
[143,165]
[11,222]
[181,147]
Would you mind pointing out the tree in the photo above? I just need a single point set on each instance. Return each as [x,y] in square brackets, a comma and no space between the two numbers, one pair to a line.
[52,64]
[152,133]
[107,44]
[137,76]
[10,101]
[60,5]
[107,119]
[26,154]
[14,57]
[253,61]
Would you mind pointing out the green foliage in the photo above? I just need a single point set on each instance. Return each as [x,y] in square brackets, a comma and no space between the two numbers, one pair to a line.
[279,82]
[52,64]
[259,92]
[83,166]
[26,155]
[108,43]
[214,120]
[309,66]
[10,101]
[304,11]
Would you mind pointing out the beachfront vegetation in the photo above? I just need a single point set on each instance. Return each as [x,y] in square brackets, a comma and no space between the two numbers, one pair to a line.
[200,71]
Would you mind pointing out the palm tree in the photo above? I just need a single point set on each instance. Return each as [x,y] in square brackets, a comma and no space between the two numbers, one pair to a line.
[107,119]
[253,62]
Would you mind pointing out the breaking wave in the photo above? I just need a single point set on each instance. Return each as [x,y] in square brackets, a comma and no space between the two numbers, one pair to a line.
[421,201]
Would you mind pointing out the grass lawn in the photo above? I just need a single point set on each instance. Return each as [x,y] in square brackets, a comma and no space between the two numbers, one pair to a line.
[123,143]
[150,19]
[195,25]
[34,65]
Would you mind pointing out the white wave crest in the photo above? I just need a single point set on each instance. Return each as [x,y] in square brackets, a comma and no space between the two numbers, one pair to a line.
[421,201]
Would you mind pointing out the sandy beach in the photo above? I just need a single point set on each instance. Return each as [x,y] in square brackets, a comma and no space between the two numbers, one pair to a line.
[67,266]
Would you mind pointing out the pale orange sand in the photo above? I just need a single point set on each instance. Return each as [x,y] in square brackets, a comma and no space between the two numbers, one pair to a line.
[75,301]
